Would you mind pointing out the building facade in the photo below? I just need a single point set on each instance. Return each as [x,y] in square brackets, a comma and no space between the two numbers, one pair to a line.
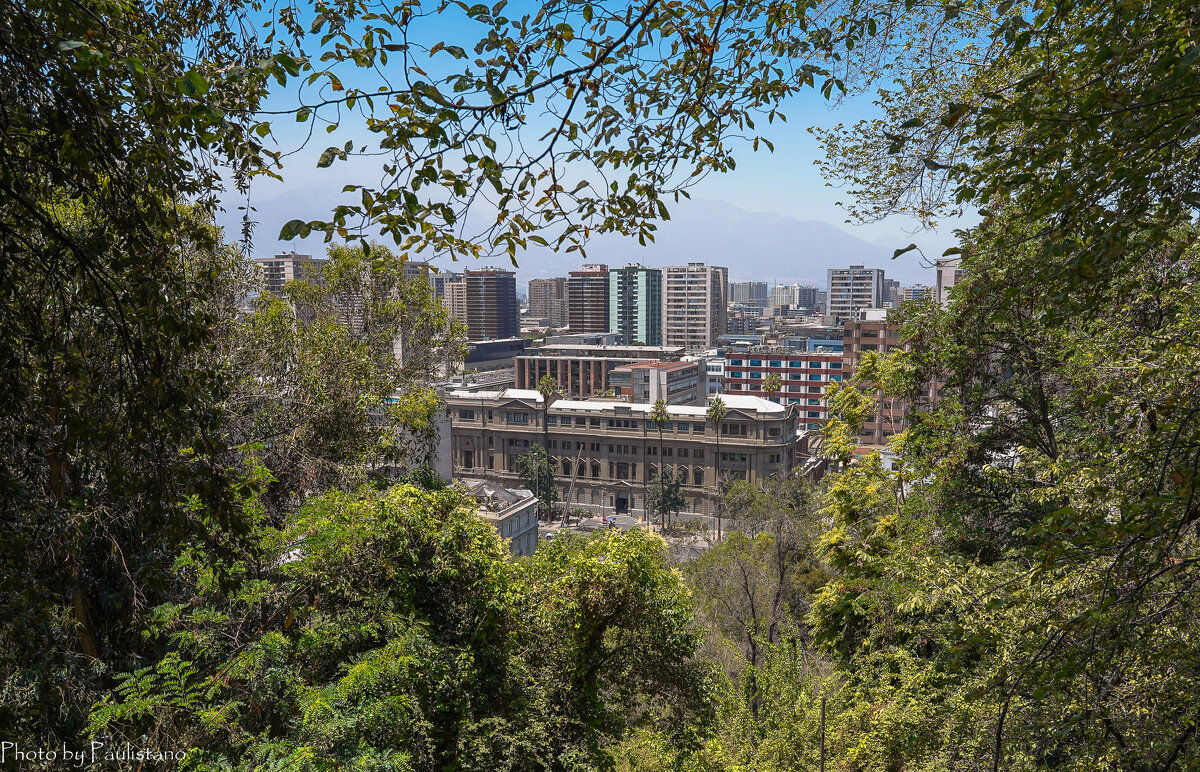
[606,453]
[513,512]
[853,288]
[752,293]
[548,300]
[804,376]
[635,305]
[890,414]
[949,272]
[487,303]
[288,266]
[676,383]
[694,305]
[583,370]
[587,299]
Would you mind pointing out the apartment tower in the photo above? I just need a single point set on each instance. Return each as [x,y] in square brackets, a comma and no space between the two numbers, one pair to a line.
[635,304]
[548,300]
[695,297]
[854,288]
[587,299]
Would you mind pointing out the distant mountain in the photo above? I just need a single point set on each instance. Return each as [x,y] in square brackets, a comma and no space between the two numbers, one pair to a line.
[762,246]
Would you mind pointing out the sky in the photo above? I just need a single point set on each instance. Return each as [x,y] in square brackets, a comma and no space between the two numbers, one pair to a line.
[786,182]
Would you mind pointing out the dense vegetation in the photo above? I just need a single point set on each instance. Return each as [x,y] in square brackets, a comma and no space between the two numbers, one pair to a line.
[218,534]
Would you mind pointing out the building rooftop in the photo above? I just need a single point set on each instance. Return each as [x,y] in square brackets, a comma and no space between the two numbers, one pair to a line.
[558,347]
[655,365]
[496,501]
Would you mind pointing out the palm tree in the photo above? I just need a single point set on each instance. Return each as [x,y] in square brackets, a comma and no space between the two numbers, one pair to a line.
[660,418]
[547,386]
[715,415]
[771,385]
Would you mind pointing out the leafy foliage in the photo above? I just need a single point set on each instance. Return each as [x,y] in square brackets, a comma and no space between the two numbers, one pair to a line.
[394,630]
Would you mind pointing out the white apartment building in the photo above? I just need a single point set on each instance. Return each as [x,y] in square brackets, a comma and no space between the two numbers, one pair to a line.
[949,271]
[853,288]
[695,297]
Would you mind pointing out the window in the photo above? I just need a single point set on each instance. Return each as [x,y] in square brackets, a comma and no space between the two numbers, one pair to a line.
[516,418]
[835,365]
[795,365]
[814,401]
[735,373]
[697,476]
[682,427]
[735,361]
[698,454]
[814,365]
[773,431]
[566,420]
[697,428]
[814,414]
[668,452]
[774,363]
[773,458]
[595,421]
[467,415]
[733,430]
[756,363]
[683,452]
[652,450]
[835,377]
[814,389]
[814,376]
[756,376]
[551,420]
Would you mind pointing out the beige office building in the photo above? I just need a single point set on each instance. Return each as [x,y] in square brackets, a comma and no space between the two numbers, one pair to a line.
[695,297]
[606,452]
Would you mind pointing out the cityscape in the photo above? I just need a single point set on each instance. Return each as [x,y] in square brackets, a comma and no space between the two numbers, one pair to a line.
[578,386]
[615,341]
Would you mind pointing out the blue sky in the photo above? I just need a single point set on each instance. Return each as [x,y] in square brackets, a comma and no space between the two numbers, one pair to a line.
[786,181]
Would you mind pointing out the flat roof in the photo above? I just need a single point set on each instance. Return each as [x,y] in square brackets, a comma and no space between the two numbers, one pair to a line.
[654,364]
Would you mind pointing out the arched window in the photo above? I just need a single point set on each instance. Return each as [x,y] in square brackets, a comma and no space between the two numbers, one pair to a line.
[697,505]
[697,476]
[596,469]
[595,498]
[566,466]
[579,495]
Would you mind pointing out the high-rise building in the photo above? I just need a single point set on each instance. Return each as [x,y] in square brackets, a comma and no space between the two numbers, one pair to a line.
[288,266]
[441,280]
[454,298]
[915,292]
[854,288]
[783,296]
[548,300]
[808,298]
[891,293]
[694,305]
[486,300]
[587,299]
[748,292]
[949,271]
[635,305]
